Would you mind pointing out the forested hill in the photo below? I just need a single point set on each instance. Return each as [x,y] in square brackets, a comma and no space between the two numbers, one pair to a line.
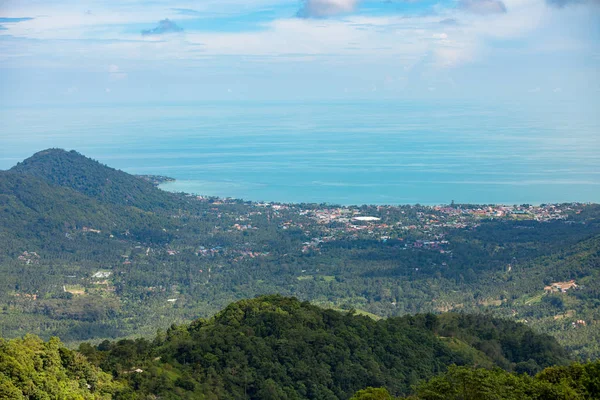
[31,208]
[274,347]
[73,170]
[278,348]
[37,215]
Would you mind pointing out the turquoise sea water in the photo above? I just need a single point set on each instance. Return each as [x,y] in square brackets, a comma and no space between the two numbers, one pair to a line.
[388,152]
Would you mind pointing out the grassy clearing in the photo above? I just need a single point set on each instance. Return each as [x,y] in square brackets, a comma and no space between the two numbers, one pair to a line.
[359,312]
[76,290]
[528,300]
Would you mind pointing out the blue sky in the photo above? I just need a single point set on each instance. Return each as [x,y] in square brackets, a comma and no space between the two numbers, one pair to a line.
[136,51]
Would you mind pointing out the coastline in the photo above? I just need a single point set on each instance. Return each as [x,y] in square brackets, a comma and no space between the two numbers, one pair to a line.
[174,185]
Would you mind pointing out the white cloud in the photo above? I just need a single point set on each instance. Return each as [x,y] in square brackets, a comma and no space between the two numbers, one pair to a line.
[326,8]
[393,40]
[454,55]
[483,6]
[372,37]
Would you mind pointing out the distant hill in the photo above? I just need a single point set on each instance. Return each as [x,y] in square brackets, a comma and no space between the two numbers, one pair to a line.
[82,174]
[273,347]
[34,212]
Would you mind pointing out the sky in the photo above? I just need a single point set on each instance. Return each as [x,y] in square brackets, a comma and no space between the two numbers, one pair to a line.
[130,51]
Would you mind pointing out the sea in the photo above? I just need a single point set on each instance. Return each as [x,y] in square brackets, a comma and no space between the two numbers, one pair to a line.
[336,152]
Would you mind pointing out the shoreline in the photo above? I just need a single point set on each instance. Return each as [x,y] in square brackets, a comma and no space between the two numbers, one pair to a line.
[433,205]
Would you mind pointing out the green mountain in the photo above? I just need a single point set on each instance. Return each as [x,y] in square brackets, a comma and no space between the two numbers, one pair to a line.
[73,170]
[274,347]
[30,207]
[36,212]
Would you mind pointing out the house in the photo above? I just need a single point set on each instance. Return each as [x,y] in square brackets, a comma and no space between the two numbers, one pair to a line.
[560,286]
[102,274]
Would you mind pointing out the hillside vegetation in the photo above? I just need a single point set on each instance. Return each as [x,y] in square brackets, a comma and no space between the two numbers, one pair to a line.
[273,347]
[33,369]
[574,382]
[73,170]
[90,253]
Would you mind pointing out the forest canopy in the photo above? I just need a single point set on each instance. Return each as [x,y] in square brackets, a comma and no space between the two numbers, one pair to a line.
[275,347]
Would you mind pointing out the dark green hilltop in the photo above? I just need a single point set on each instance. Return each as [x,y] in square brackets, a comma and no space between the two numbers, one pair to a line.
[274,347]
[374,302]
[72,170]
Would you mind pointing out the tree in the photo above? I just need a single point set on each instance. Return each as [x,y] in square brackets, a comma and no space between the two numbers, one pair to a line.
[372,394]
